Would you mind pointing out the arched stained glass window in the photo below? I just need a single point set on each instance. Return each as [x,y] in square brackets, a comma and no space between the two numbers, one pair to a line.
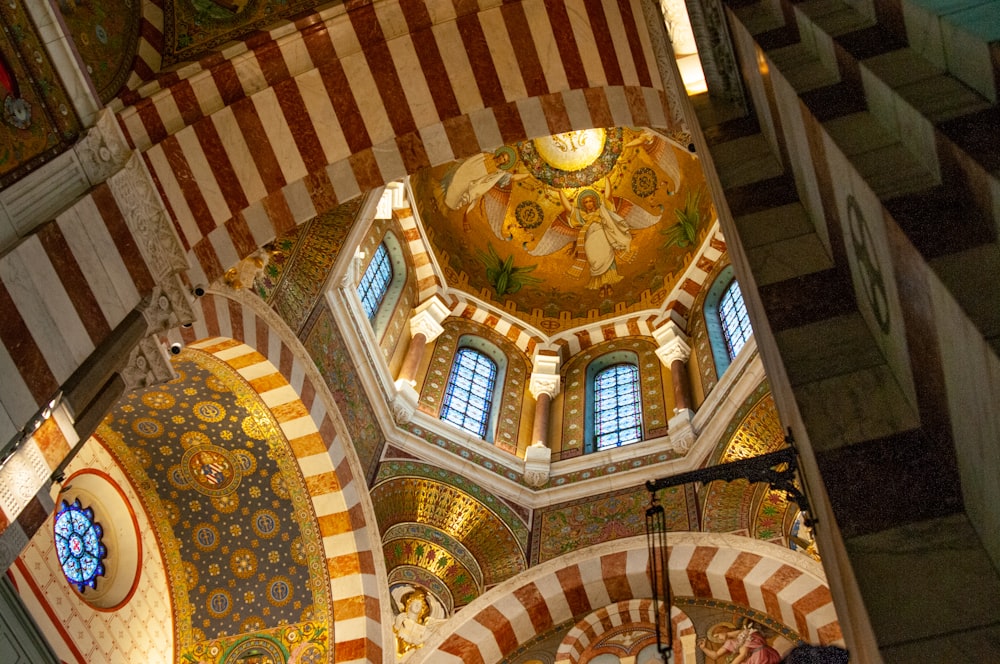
[734,319]
[375,281]
[469,394]
[79,545]
[617,406]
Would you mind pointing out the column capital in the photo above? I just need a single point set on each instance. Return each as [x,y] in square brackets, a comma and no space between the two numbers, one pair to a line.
[545,378]
[544,384]
[427,318]
[673,344]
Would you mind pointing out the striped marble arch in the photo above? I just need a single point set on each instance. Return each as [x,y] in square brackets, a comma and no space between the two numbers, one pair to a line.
[786,585]
[635,613]
[250,342]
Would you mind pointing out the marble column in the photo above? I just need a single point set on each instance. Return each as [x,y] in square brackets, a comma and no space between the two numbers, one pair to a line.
[425,326]
[544,386]
[674,351]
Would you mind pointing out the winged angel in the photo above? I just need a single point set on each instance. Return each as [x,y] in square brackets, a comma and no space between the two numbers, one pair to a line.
[600,232]
[595,227]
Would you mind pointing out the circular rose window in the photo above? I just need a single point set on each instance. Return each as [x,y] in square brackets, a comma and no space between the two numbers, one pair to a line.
[78,544]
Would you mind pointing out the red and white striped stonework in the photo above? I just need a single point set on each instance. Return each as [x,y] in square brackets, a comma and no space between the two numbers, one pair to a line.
[586,636]
[149,54]
[765,577]
[63,290]
[343,102]
[428,282]
[236,335]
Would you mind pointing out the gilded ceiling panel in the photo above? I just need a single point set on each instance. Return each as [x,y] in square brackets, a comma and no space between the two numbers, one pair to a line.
[37,120]
[568,229]
[457,514]
[106,37]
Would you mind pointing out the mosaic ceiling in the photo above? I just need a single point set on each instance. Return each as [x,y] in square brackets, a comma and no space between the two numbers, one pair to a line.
[229,506]
[106,36]
[454,538]
[570,228]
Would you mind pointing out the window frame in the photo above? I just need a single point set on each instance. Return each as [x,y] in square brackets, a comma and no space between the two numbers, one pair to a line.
[394,290]
[713,320]
[595,368]
[492,353]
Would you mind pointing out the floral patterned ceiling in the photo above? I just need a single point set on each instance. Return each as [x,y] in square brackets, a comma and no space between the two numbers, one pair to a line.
[568,229]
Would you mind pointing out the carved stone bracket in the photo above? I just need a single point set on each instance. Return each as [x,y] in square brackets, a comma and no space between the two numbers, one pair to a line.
[147,219]
[147,365]
[537,463]
[167,306]
[682,433]
[102,151]
[404,404]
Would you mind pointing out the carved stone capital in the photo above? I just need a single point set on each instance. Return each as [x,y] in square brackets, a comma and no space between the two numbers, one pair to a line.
[147,219]
[102,151]
[423,323]
[673,344]
[148,364]
[167,306]
[537,463]
[427,318]
[544,384]
[404,404]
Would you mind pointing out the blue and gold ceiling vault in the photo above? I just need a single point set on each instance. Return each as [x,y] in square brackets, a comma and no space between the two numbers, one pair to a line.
[229,505]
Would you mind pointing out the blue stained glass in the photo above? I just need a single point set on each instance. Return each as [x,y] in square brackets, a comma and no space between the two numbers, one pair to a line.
[375,281]
[617,406]
[735,322]
[78,544]
[470,391]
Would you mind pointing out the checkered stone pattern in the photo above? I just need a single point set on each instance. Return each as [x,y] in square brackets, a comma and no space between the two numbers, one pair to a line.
[631,612]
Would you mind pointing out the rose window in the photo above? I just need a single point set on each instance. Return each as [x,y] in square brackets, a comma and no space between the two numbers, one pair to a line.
[79,545]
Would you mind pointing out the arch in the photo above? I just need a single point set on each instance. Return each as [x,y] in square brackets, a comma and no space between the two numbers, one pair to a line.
[512,373]
[577,404]
[233,330]
[196,132]
[488,366]
[786,585]
[581,639]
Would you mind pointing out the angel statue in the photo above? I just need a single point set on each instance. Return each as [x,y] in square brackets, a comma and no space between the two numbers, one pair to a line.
[601,230]
[414,624]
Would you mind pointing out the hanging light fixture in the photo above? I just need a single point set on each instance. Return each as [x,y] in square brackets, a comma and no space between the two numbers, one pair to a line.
[659,575]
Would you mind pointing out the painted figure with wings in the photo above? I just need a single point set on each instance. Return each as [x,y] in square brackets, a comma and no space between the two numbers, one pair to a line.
[600,229]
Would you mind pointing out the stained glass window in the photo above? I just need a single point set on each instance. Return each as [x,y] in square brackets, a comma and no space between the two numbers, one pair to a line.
[734,319]
[79,545]
[617,406]
[469,394]
[375,281]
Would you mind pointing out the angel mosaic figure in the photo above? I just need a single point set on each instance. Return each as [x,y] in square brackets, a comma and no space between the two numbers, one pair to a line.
[601,228]
[747,643]
[479,175]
